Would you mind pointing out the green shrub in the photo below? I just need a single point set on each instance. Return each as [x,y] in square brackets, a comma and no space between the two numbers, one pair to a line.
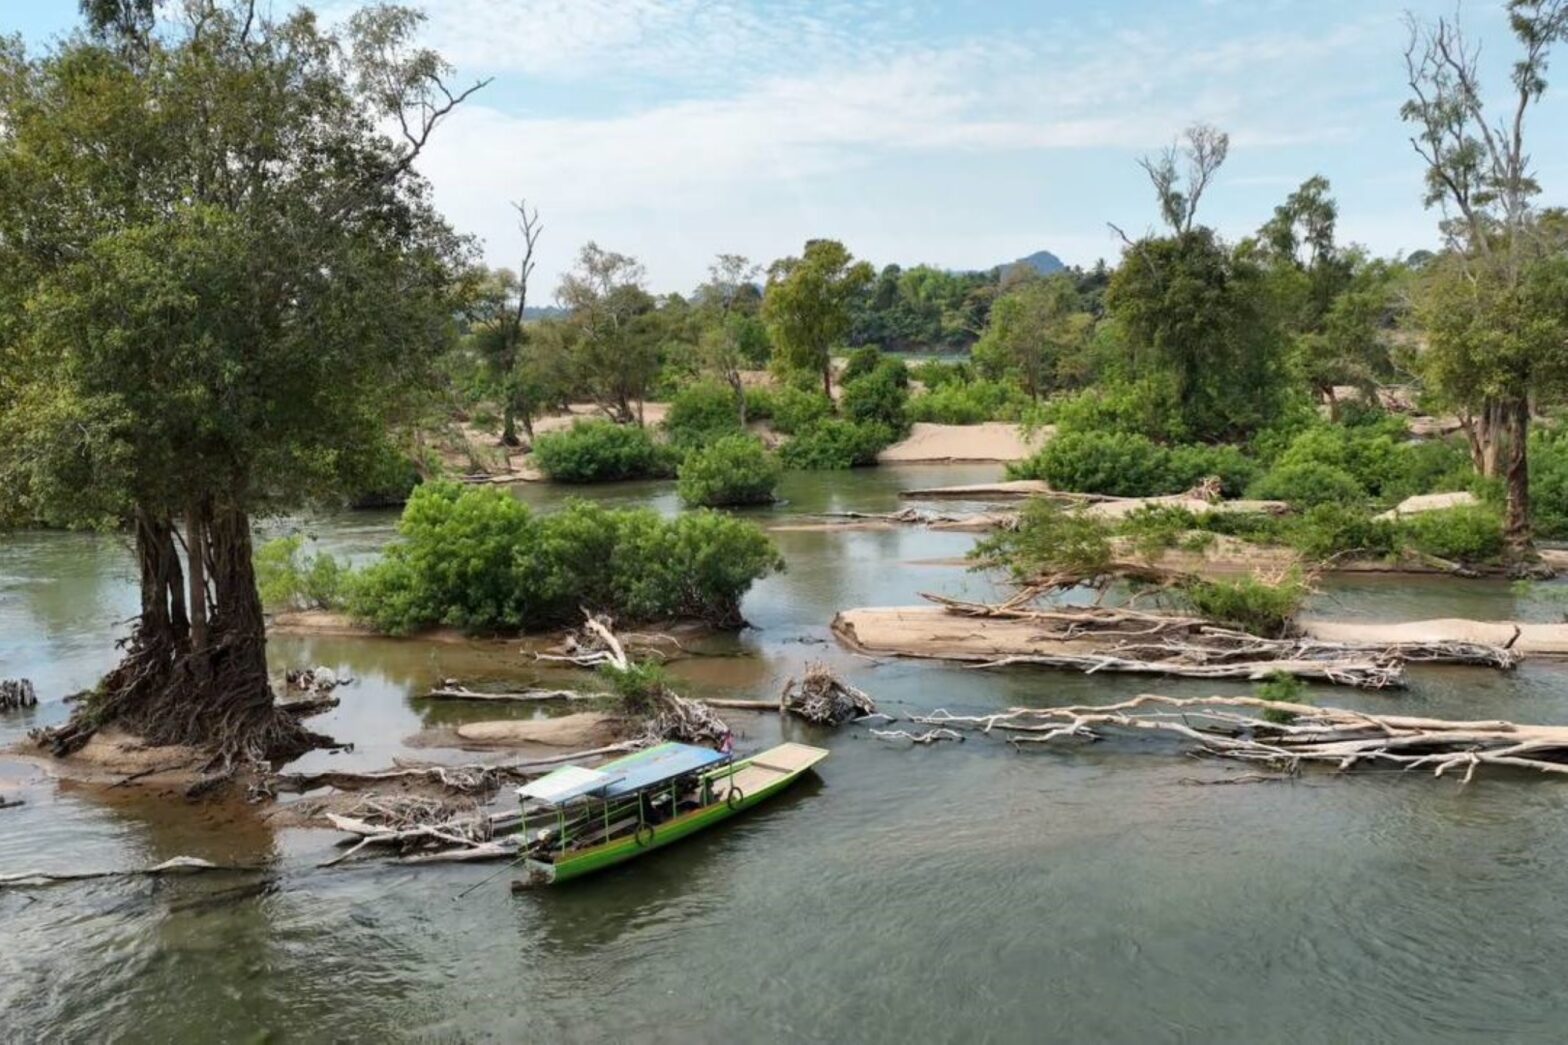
[970,403]
[760,403]
[1283,688]
[1147,408]
[1308,483]
[1189,465]
[1331,529]
[479,560]
[933,373]
[795,410]
[601,451]
[1468,534]
[1249,604]
[1115,463]
[835,443]
[287,579]
[736,469]
[878,397]
[639,685]
[1049,539]
[1154,528]
[862,361]
[1549,482]
[701,413]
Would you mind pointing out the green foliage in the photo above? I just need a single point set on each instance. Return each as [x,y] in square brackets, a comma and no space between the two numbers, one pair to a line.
[861,362]
[760,403]
[1153,529]
[1468,534]
[1199,315]
[955,402]
[1127,465]
[1147,407]
[935,373]
[807,304]
[1049,539]
[1304,484]
[1036,332]
[921,307]
[835,443]
[735,470]
[1249,604]
[1283,688]
[1334,528]
[795,410]
[479,560]
[287,579]
[701,413]
[1112,463]
[1549,482]
[602,451]
[638,685]
[877,396]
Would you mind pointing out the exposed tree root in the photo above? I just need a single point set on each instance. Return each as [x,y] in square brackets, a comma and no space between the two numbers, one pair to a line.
[16,694]
[1286,735]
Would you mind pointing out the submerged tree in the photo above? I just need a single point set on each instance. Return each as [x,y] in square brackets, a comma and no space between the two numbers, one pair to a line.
[807,304]
[217,279]
[1493,306]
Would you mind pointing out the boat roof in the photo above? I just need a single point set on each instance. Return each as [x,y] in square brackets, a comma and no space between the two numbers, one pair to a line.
[565,784]
[654,765]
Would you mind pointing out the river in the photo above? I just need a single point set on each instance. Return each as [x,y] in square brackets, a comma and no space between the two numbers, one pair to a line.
[962,892]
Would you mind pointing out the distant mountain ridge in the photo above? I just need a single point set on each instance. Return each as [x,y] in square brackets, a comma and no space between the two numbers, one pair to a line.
[1042,261]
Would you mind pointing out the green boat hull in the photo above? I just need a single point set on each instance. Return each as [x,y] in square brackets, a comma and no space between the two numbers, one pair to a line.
[620,850]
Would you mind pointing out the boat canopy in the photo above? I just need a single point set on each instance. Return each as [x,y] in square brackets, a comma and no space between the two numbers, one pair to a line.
[654,765]
[566,783]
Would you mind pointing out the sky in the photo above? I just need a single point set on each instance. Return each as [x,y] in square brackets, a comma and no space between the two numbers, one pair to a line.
[961,135]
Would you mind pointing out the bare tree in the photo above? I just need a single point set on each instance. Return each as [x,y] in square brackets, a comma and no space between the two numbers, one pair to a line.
[1204,149]
[517,404]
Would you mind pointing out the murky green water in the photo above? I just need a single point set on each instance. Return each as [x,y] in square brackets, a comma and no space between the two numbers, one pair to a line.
[957,893]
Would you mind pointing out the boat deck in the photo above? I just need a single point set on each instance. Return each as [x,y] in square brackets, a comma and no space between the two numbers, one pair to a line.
[770,767]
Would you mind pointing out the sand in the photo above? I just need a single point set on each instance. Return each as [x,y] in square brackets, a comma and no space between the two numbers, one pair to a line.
[991,441]
[1429,502]
[585,729]
[1533,639]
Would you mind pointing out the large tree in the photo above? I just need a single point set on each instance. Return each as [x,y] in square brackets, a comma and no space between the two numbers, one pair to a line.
[218,278]
[499,333]
[1034,328]
[807,304]
[616,344]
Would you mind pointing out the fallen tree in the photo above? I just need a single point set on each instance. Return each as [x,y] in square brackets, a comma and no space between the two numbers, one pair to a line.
[1095,638]
[1285,735]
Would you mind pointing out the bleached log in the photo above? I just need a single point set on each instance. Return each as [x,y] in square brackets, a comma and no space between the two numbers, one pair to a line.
[526,696]
[930,736]
[174,866]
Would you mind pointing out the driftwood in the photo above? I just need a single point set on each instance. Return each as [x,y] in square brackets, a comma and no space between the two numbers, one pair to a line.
[1097,638]
[822,697]
[1286,735]
[174,866]
[16,694]
[416,826]
[451,690]
[930,736]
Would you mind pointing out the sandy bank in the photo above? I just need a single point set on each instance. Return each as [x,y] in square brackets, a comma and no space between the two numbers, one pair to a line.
[584,729]
[111,756]
[1542,640]
[991,441]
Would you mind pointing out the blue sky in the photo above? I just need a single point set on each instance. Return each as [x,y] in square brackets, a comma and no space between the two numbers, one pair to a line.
[962,135]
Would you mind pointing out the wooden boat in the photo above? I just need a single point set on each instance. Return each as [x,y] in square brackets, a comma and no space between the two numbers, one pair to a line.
[577,821]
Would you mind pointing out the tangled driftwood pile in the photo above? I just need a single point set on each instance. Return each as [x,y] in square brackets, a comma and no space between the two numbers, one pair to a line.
[822,697]
[425,830]
[1096,638]
[1285,735]
[16,694]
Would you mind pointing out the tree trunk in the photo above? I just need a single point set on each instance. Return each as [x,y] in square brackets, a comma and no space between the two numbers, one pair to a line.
[195,549]
[733,377]
[1516,521]
[827,377]
[1486,431]
[509,424]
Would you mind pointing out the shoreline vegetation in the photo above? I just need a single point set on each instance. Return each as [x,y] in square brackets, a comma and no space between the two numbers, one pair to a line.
[258,311]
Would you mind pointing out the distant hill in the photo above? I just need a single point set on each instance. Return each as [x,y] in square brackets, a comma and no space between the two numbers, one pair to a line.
[543,312]
[1042,261]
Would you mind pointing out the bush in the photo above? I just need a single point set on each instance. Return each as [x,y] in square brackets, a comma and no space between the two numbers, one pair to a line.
[760,403]
[958,403]
[289,580]
[1249,604]
[479,560]
[1307,484]
[835,443]
[701,413]
[795,410]
[1048,539]
[878,397]
[734,470]
[1549,482]
[1469,534]
[1115,463]
[1330,529]
[1283,688]
[934,373]
[1189,465]
[1147,408]
[862,361]
[601,451]
[1154,528]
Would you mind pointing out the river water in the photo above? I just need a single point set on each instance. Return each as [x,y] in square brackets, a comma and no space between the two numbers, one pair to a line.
[963,892]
